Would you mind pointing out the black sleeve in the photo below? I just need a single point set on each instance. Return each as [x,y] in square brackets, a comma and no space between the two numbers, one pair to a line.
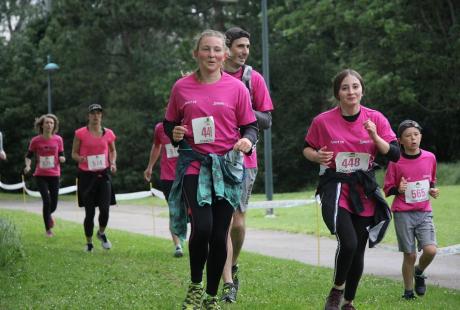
[61,154]
[264,119]
[394,152]
[168,127]
[30,154]
[251,132]
[393,191]
[305,145]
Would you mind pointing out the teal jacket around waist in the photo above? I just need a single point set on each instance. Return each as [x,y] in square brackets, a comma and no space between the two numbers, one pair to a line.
[219,174]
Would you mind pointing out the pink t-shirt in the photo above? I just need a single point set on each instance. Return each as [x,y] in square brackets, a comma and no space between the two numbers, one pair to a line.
[212,113]
[94,149]
[47,155]
[168,153]
[332,130]
[261,101]
[414,170]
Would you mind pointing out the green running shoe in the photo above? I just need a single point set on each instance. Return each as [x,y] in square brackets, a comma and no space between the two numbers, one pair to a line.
[211,303]
[236,281]
[229,293]
[194,298]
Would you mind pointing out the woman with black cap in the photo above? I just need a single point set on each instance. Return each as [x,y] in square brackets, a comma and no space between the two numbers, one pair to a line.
[94,151]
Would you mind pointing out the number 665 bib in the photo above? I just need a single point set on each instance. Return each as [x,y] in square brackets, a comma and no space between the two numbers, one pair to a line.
[204,129]
[347,162]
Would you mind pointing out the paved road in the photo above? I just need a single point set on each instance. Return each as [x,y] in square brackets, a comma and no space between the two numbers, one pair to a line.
[381,261]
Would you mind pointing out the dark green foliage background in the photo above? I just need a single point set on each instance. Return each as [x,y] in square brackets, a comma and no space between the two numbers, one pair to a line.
[126,55]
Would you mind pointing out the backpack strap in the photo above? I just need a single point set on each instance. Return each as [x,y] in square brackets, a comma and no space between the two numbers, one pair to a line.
[246,78]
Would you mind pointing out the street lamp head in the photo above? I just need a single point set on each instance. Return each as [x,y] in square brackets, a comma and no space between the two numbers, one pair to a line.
[50,67]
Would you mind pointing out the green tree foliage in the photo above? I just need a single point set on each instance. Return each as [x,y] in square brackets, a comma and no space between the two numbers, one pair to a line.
[126,55]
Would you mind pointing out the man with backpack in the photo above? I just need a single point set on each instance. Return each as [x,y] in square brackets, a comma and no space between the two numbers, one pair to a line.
[238,42]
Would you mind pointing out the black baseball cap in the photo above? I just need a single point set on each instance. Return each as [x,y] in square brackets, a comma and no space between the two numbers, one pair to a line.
[235,33]
[94,107]
[408,124]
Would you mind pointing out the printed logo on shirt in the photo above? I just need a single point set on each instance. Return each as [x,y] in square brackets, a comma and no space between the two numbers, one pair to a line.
[190,102]
[365,141]
[337,142]
[218,103]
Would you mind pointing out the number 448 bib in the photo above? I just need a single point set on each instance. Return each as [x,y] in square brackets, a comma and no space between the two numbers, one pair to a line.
[204,130]
[347,162]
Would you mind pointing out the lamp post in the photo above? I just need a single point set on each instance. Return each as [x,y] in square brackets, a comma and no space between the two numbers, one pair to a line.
[50,67]
[267,132]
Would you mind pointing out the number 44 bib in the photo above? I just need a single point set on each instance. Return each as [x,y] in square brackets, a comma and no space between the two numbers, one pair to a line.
[348,162]
[204,130]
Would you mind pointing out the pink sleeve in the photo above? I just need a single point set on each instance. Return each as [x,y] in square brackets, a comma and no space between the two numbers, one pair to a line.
[244,112]
[32,145]
[261,100]
[390,179]
[433,176]
[312,136]
[172,110]
[156,134]
[384,129]
[79,134]
[112,136]
[61,144]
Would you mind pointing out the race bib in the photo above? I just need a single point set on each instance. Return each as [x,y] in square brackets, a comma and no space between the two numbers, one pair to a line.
[417,191]
[96,162]
[171,151]
[203,130]
[347,162]
[46,162]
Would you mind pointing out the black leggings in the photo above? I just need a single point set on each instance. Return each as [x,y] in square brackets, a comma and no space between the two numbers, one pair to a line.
[352,237]
[49,190]
[208,238]
[99,196]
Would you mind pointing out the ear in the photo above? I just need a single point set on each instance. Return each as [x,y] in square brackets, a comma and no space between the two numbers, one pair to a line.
[195,54]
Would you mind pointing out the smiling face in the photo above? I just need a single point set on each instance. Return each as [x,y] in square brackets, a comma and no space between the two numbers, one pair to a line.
[410,140]
[239,52]
[210,54]
[350,92]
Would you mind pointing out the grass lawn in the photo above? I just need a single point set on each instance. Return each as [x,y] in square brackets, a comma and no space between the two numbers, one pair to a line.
[304,219]
[140,273]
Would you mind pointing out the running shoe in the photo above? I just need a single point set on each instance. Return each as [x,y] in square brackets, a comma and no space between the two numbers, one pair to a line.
[419,278]
[409,296]
[229,293]
[211,303]
[236,280]
[49,233]
[333,300]
[89,247]
[104,241]
[178,252]
[348,306]
[194,298]
[52,222]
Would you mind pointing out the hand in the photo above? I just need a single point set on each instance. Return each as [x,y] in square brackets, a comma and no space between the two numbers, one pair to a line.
[243,145]
[26,169]
[371,128]
[2,155]
[402,185]
[61,159]
[434,192]
[81,159]
[324,157]
[179,132]
[113,168]
[148,174]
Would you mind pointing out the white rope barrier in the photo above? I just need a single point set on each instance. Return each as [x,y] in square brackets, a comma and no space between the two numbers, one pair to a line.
[159,194]
[73,188]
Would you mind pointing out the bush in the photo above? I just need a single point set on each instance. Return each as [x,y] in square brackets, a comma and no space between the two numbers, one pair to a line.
[10,243]
[448,174]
